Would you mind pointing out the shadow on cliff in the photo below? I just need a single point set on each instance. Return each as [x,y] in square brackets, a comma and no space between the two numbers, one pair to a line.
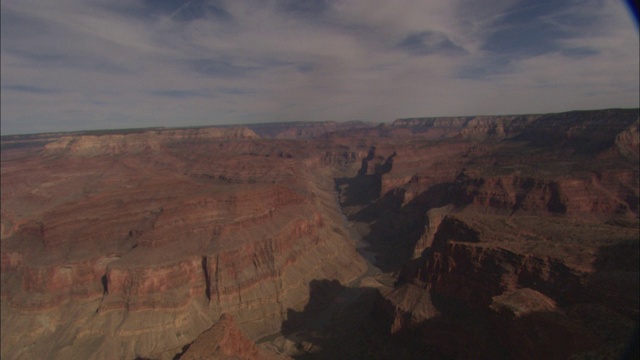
[366,186]
[338,323]
[578,132]
[468,331]
[395,226]
[615,285]
[342,322]
[597,319]
[355,323]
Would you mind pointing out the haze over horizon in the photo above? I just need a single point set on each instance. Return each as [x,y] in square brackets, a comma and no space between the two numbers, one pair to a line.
[70,65]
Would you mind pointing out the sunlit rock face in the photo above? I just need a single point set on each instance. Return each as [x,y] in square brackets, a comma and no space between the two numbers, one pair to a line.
[225,341]
[133,244]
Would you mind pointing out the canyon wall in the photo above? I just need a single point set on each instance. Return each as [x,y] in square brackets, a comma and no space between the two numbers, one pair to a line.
[528,250]
[492,237]
[126,253]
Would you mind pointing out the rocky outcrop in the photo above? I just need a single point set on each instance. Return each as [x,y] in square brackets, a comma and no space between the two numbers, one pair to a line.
[628,141]
[434,219]
[225,341]
[47,287]
[513,282]
[342,158]
[408,307]
[474,274]
[521,302]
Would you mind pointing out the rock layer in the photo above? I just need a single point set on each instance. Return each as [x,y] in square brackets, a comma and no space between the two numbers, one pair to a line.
[132,250]
[510,231]
[132,244]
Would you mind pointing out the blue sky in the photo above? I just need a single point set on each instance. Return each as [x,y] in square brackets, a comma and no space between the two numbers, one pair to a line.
[79,65]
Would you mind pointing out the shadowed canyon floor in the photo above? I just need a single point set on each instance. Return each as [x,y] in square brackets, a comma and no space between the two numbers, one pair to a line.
[495,237]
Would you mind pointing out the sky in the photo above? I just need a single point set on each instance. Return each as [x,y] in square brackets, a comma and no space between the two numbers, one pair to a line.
[70,65]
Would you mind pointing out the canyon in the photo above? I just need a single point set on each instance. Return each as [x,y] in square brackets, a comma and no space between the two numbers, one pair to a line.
[485,237]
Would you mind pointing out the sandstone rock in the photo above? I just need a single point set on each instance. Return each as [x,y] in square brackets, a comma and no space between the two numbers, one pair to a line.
[225,341]
[434,219]
[628,141]
[410,306]
[125,253]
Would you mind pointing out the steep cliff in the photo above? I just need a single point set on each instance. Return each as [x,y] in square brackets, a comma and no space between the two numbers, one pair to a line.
[517,273]
[628,141]
[500,246]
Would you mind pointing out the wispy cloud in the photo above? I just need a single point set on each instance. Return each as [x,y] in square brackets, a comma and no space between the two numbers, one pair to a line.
[532,27]
[70,64]
[428,43]
[29,89]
